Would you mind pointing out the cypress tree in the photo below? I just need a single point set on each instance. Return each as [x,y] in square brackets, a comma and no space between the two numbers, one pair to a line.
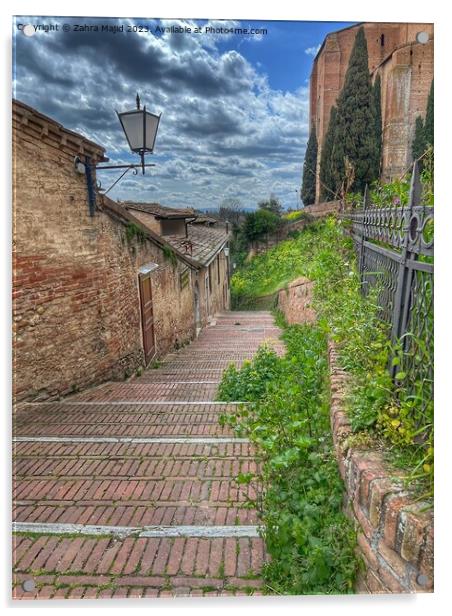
[429,121]
[419,144]
[355,127]
[310,170]
[327,181]
[378,123]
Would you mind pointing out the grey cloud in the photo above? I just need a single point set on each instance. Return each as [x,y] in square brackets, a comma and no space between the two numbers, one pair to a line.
[222,128]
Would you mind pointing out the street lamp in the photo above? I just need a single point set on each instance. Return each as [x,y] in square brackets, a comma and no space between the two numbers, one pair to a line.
[140,128]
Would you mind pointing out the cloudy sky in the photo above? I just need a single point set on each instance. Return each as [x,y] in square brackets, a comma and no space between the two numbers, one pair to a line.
[234,106]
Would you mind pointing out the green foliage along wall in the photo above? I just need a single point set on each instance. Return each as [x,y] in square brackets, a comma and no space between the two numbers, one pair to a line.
[424,131]
[327,182]
[355,127]
[419,145]
[310,170]
[378,123]
[352,147]
[429,121]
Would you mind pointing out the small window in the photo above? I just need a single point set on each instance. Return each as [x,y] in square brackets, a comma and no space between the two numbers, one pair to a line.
[218,269]
[382,40]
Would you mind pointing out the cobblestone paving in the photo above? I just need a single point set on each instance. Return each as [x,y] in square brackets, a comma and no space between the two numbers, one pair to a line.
[148,456]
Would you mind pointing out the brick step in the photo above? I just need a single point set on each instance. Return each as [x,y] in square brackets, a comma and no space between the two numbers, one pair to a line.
[142,467]
[80,408]
[137,430]
[241,320]
[146,489]
[182,451]
[205,354]
[234,348]
[136,513]
[157,377]
[89,424]
[143,390]
[99,419]
[255,334]
[178,374]
[138,390]
[86,567]
[245,345]
[242,317]
[204,364]
[92,481]
[236,352]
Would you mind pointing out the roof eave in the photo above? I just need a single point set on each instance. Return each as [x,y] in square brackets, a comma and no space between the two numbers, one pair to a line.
[123,213]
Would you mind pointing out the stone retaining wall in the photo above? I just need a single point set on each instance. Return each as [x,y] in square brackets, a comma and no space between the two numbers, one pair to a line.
[395,532]
[318,210]
[295,302]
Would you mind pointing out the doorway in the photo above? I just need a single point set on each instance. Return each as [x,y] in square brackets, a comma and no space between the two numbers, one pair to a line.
[147,316]
[197,308]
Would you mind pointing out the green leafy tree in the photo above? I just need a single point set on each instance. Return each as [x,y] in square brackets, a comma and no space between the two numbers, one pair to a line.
[419,144]
[260,223]
[327,181]
[271,205]
[424,132]
[355,142]
[378,122]
[310,170]
[429,121]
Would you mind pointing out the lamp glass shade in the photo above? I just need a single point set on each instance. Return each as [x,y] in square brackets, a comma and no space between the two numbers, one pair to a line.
[140,128]
[132,124]
[152,124]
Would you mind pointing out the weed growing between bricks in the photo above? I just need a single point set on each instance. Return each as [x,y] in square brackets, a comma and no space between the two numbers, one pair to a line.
[299,491]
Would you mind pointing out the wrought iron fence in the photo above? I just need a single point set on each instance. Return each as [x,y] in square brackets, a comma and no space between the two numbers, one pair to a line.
[394,247]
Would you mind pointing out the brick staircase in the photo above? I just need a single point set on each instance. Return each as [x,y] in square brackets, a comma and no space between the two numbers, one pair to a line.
[127,490]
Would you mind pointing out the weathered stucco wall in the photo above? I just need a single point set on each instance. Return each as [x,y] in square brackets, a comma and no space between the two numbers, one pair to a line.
[76,308]
[149,220]
[216,299]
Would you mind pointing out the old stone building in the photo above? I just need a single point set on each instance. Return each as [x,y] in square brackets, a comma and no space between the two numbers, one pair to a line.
[94,297]
[205,246]
[406,69]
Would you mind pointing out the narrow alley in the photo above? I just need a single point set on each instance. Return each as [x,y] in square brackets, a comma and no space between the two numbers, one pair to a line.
[127,489]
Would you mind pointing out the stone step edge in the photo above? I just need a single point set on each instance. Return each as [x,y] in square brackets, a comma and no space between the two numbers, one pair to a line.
[137,402]
[127,439]
[136,531]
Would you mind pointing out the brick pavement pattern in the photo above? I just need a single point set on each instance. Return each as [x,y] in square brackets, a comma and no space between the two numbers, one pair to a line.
[178,476]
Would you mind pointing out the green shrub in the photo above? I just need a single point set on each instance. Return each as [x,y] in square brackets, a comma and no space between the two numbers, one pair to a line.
[310,540]
[324,253]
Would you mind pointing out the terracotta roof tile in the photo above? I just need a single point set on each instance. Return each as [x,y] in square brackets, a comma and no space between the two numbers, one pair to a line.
[201,244]
[158,210]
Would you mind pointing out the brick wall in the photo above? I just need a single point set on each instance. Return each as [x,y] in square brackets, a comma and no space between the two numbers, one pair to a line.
[409,72]
[76,310]
[218,296]
[406,77]
[395,531]
[295,302]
